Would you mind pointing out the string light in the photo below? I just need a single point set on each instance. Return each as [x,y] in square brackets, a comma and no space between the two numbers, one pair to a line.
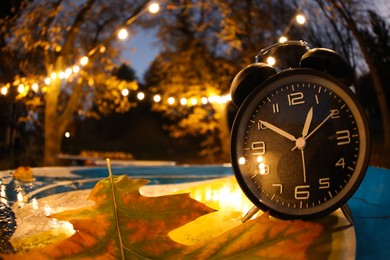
[183,101]
[35,87]
[271,60]
[84,61]
[67,134]
[154,8]
[123,34]
[21,88]
[47,81]
[282,39]
[193,101]
[125,92]
[171,100]
[157,98]
[300,19]
[140,96]
[4,91]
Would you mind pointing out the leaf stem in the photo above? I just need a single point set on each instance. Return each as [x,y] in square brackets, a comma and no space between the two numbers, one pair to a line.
[115,207]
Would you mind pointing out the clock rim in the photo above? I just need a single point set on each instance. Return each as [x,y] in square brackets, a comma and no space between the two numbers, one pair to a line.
[261,91]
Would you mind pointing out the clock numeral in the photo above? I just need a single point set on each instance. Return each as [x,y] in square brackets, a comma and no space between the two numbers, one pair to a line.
[335,113]
[343,137]
[258,147]
[275,108]
[324,183]
[261,126]
[280,187]
[301,192]
[295,99]
[341,163]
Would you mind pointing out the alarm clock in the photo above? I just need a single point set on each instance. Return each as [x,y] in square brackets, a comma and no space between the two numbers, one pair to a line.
[300,141]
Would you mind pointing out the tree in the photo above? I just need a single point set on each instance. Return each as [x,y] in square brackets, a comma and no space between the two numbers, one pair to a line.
[69,45]
[205,43]
[356,20]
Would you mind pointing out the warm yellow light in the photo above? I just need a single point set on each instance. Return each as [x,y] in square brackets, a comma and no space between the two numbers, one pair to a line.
[282,39]
[84,61]
[271,60]
[193,101]
[154,8]
[300,19]
[4,90]
[260,159]
[157,98]
[35,87]
[19,197]
[140,96]
[204,100]
[67,134]
[125,92]
[123,34]
[21,88]
[68,72]
[102,49]
[241,160]
[212,99]
[53,75]
[61,75]
[171,100]
[76,69]
[47,81]
[183,101]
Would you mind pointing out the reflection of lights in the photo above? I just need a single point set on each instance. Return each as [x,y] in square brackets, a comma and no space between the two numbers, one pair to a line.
[154,8]
[47,210]
[61,75]
[2,191]
[47,81]
[67,134]
[271,60]
[282,39]
[204,100]
[263,169]
[241,160]
[171,100]
[53,75]
[300,19]
[260,159]
[140,96]
[34,203]
[125,92]
[123,34]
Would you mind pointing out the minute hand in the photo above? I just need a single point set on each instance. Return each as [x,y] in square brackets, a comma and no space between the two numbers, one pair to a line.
[279,131]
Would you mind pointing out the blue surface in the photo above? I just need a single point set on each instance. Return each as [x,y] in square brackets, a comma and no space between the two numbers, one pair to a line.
[370,207]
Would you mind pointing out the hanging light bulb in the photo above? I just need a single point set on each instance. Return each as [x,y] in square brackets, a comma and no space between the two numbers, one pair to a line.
[21,88]
[4,90]
[271,60]
[282,39]
[157,98]
[123,34]
[301,19]
[140,96]
[154,8]
[125,92]
[171,100]
[35,87]
[84,61]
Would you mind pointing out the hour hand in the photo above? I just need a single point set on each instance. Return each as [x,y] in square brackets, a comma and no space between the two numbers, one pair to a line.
[278,130]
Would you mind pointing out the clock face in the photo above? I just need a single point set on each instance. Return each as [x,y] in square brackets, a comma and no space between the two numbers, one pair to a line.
[300,144]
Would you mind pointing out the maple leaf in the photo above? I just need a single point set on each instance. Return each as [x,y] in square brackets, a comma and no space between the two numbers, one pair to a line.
[122,223]
[258,239]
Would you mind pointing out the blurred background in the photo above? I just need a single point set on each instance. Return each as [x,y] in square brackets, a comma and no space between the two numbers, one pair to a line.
[143,80]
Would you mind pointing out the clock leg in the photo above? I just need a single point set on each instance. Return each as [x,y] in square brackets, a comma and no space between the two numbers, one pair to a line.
[347,213]
[250,214]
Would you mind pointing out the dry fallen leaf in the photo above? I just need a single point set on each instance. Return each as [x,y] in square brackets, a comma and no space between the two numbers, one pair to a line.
[132,226]
[23,174]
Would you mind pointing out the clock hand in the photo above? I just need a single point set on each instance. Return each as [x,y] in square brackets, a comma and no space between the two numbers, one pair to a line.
[306,126]
[303,166]
[314,130]
[278,130]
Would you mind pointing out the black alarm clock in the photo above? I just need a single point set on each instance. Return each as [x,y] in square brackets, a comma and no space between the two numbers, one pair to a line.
[300,141]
